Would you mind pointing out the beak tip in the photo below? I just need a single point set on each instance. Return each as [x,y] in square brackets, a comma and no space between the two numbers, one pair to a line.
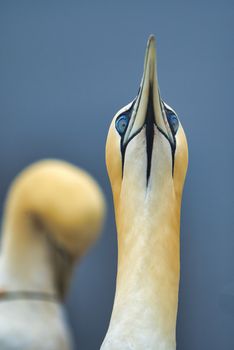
[151,40]
[150,55]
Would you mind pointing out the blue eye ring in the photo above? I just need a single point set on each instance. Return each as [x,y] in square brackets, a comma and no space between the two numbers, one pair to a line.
[121,124]
[173,122]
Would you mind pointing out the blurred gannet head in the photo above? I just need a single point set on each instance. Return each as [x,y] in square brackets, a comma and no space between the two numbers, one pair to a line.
[59,201]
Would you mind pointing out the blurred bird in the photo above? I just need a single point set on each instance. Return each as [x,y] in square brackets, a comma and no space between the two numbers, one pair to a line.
[53,214]
[147,157]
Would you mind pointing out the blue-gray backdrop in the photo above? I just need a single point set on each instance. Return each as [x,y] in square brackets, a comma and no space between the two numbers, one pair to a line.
[65,68]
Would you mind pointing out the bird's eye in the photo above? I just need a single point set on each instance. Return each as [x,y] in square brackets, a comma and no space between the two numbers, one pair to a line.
[173,122]
[121,124]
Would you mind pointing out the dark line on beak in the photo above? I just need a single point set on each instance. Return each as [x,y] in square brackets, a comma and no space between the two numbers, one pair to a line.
[149,130]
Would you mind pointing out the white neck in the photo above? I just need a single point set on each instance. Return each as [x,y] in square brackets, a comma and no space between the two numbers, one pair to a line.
[145,306]
[25,263]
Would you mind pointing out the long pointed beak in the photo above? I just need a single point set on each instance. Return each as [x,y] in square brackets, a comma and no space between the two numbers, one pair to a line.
[148,94]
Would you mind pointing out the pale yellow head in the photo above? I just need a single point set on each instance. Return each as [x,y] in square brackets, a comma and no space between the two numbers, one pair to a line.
[146,149]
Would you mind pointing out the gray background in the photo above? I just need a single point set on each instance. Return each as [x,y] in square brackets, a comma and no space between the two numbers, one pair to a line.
[65,68]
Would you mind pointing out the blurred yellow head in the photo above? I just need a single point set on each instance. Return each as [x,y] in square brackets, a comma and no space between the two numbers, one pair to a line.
[59,198]
[55,203]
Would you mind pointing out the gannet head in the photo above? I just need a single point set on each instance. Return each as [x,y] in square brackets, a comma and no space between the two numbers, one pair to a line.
[146,149]
[58,203]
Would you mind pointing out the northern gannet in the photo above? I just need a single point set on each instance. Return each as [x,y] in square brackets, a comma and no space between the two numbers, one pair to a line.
[53,213]
[147,157]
